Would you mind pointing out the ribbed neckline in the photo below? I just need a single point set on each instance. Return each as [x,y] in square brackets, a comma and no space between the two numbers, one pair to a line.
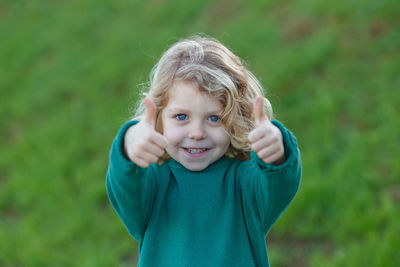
[176,165]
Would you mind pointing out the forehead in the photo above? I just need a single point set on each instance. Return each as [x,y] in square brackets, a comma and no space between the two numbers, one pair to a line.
[187,94]
[182,88]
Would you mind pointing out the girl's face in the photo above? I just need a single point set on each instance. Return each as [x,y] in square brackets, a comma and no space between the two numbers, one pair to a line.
[191,123]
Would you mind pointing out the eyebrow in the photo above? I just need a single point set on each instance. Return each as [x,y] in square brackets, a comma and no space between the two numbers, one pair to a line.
[183,110]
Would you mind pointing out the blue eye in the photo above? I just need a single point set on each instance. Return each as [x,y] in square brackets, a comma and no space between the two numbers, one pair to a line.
[214,118]
[181,117]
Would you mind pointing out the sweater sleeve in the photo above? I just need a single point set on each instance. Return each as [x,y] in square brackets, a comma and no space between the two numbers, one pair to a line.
[129,187]
[268,189]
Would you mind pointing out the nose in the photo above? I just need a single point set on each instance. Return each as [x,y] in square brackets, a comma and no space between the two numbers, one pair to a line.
[196,132]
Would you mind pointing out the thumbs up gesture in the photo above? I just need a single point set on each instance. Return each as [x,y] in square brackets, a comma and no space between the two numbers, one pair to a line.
[266,138]
[142,143]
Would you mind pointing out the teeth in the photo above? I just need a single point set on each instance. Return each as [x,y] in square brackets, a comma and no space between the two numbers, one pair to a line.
[196,150]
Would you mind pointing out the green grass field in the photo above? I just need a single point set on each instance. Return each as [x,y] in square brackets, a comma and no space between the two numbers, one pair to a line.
[70,72]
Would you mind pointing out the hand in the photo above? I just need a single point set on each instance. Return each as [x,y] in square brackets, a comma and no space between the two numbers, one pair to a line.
[142,143]
[266,138]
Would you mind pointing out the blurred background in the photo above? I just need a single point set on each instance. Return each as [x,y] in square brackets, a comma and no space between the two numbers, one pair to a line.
[71,71]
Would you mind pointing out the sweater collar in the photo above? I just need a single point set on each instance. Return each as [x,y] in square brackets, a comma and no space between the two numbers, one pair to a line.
[176,165]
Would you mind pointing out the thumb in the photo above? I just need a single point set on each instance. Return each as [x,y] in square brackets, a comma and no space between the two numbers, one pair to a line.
[151,111]
[258,109]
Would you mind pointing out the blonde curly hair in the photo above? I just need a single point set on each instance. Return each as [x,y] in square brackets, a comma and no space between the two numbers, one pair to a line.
[217,71]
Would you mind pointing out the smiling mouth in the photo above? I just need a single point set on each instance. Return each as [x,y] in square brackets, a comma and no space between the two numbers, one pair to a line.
[195,150]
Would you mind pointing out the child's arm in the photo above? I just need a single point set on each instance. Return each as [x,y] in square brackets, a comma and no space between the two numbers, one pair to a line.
[129,186]
[273,175]
[279,184]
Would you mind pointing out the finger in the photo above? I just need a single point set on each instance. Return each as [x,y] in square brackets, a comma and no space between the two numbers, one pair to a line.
[140,162]
[258,108]
[147,157]
[151,111]
[268,152]
[153,149]
[256,134]
[261,144]
[159,140]
[274,159]
[264,137]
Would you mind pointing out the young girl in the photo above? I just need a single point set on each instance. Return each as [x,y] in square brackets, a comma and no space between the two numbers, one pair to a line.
[201,174]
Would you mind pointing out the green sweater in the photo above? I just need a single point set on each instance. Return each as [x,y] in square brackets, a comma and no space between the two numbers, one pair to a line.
[215,217]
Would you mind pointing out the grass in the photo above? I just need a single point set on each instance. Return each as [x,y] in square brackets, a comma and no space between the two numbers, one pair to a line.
[70,71]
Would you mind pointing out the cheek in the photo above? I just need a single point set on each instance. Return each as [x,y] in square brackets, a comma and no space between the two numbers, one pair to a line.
[173,134]
[221,137]
[168,131]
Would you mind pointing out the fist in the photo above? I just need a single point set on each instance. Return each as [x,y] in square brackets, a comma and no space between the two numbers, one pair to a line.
[266,138]
[142,143]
